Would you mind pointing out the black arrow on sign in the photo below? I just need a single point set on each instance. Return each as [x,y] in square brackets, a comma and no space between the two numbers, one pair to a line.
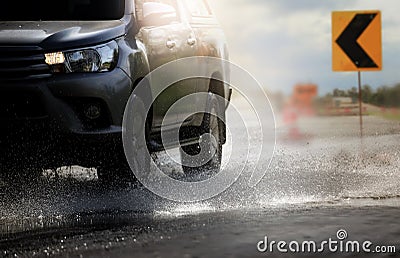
[348,40]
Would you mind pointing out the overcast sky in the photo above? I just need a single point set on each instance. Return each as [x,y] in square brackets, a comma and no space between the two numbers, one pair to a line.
[284,42]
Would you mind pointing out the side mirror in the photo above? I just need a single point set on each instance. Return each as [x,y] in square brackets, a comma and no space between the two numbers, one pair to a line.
[158,14]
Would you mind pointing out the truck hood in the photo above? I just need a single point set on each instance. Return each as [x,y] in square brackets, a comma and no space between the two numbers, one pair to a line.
[59,35]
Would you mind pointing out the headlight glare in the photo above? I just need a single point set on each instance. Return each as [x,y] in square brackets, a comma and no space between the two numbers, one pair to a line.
[87,60]
[101,58]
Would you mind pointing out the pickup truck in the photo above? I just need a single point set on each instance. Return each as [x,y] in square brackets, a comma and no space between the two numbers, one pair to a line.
[68,68]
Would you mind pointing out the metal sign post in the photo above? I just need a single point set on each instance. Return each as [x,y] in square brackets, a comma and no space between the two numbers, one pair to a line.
[360,103]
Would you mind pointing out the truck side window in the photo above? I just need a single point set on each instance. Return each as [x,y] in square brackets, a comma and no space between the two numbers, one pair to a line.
[198,7]
[139,6]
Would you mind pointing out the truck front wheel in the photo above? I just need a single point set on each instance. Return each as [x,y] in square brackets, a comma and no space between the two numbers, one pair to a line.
[206,155]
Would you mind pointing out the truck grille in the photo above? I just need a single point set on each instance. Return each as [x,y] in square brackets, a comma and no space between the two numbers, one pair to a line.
[22,63]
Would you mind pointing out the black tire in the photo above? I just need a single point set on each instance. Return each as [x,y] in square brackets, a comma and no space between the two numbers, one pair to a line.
[115,169]
[205,156]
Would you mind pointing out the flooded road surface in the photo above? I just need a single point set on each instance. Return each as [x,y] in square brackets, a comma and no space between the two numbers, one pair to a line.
[323,178]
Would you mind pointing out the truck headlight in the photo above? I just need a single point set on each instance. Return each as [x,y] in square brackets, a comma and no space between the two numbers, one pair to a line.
[100,58]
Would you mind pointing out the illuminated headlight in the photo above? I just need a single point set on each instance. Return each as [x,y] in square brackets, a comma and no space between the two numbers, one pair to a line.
[101,58]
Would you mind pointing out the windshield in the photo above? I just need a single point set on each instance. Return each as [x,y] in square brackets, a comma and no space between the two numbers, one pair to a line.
[45,10]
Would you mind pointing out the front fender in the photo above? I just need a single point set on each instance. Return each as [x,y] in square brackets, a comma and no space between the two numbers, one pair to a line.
[133,61]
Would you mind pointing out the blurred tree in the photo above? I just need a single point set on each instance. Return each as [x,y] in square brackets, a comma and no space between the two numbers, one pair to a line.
[383,96]
[339,93]
[367,93]
[353,94]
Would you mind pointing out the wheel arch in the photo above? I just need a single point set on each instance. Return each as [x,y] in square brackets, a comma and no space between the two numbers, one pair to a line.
[147,97]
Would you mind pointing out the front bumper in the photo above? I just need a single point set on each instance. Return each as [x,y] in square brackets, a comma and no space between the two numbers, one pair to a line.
[47,117]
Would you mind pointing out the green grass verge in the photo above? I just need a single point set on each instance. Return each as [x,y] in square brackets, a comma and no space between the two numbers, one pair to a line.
[390,115]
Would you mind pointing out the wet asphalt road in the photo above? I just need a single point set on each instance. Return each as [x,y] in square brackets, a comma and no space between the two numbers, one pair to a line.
[322,178]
